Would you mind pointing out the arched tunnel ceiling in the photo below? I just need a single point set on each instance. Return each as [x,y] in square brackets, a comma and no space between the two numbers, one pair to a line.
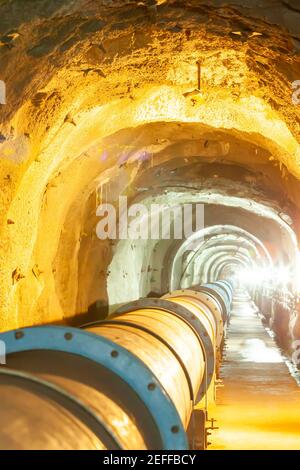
[253,221]
[203,256]
[98,104]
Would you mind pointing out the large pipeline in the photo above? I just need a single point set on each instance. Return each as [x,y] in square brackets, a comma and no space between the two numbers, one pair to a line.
[128,382]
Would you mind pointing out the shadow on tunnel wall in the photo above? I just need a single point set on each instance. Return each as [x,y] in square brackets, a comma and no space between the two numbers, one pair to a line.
[99,311]
[96,311]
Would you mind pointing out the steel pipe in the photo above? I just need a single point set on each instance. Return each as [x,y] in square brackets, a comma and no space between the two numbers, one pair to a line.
[207,306]
[129,382]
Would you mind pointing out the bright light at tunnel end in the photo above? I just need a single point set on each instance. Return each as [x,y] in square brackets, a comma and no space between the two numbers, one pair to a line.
[271,276]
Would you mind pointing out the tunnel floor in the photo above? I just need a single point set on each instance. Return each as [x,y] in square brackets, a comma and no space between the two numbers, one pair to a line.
[259,405]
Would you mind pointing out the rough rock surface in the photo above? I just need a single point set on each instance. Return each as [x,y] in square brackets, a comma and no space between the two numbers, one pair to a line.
[91,86]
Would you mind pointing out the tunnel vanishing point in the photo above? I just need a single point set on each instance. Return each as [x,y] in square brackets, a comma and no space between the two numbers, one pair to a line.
[188,111]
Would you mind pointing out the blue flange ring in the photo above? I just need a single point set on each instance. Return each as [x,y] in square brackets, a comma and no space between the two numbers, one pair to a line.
[184,313]
[126,366]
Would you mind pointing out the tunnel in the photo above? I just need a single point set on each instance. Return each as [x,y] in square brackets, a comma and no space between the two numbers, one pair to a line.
[149,254]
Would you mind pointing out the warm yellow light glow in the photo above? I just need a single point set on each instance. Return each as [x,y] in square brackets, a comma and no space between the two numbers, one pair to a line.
[276,276]
[39,220]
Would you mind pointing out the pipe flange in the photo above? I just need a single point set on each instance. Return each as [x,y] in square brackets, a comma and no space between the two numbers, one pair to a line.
[189,318]
[217,296]
[207,300]
[226,288]
[119,322]
[113,357]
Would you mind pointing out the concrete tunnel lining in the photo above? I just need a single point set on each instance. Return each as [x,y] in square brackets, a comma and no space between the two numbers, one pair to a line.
[101,103]
[92,105]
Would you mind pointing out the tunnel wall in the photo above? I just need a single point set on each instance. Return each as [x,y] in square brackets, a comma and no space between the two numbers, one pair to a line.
[88,82]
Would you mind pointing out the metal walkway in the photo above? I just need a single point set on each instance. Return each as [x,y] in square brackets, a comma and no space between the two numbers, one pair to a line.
[259,405]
